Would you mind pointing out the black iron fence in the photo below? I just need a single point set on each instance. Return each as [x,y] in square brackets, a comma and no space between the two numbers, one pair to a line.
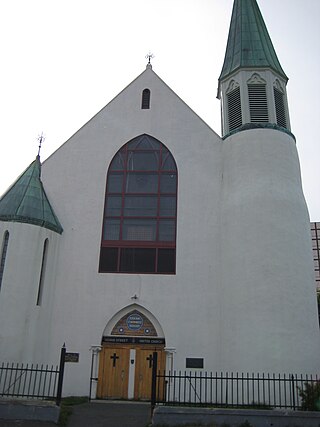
[228,390]
[32,380]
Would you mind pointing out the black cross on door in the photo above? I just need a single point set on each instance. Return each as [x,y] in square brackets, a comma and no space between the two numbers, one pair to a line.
[150,359]
[114,359]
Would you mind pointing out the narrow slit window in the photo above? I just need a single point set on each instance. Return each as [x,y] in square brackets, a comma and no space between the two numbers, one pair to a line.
[42,272]
[145,104]
[3,255]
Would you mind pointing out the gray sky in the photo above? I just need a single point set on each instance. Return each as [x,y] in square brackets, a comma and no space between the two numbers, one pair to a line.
[63,60]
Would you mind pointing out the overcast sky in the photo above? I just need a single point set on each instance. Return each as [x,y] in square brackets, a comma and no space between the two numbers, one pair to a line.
[63,60]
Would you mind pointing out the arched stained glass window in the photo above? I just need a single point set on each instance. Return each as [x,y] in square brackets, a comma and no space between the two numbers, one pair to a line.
[139,227]
[3,254]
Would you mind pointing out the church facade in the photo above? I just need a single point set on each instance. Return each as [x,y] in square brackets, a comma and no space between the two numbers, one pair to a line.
[147,231]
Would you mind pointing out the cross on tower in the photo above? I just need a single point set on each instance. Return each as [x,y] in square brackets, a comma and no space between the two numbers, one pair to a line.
[114,359]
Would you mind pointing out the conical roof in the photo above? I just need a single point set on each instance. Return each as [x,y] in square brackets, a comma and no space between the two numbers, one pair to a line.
[27,202]
[249,44]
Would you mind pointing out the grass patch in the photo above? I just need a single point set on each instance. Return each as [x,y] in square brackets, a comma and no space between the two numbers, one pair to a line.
[66,407]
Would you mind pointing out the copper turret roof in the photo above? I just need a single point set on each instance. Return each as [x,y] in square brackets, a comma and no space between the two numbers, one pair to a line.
[27,202]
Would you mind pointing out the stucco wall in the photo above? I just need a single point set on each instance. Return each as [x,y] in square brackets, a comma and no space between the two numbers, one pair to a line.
[268,280]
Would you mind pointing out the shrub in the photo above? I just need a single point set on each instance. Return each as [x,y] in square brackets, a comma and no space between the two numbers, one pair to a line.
[310,396]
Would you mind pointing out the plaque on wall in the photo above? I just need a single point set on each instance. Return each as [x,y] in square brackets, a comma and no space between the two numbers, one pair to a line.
[71,357]
[194,362]
[134,322]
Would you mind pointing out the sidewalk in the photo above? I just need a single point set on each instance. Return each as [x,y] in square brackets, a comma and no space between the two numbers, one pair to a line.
[98,414]
[110,414]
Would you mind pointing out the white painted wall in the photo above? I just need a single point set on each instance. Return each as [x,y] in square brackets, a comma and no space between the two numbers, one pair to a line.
[268,278]
[23,323]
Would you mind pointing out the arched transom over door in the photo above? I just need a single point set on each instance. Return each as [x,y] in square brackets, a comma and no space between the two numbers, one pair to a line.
[126,358]
[139,225]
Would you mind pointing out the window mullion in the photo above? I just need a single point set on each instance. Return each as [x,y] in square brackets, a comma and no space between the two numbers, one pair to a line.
[123,194]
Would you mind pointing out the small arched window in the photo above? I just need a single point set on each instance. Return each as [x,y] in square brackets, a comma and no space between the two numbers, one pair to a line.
[42,271]
[139,227]
[145,102]
[3,254]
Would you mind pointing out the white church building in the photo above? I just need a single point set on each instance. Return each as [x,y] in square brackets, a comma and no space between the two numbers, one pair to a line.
[148,231]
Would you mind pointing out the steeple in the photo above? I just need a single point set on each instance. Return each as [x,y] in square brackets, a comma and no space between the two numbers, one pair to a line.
[27,202]
[249,44]
[252,83]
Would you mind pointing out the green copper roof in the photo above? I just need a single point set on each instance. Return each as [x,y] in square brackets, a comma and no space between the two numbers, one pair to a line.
[249,44]
[26,201]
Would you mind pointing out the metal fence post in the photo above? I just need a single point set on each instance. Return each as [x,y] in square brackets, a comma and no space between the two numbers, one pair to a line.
[61,372]
[293,393]
[154,381]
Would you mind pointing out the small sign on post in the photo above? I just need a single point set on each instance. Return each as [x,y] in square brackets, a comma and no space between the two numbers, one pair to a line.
[72,357]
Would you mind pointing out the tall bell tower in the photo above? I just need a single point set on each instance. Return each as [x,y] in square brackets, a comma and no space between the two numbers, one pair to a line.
[268,288]
[252,83]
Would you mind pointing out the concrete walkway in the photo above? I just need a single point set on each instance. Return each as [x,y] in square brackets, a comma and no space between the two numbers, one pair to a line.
[110,414]
[98,414]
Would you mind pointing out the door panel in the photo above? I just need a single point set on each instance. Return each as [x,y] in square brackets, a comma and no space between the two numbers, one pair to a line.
[143,372]
[113,373]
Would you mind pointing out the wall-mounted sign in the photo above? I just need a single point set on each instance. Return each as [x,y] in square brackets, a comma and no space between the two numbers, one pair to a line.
[134,322]
[194,362]
[72,357]
[133,340]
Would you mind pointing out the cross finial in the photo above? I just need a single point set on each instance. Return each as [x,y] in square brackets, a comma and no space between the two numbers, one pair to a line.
[149,57]
[40,138]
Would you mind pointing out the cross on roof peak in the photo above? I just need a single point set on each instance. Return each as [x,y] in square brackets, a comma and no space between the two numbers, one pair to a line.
[149,56]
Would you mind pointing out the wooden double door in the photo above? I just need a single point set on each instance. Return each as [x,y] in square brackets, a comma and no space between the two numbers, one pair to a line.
[125,372]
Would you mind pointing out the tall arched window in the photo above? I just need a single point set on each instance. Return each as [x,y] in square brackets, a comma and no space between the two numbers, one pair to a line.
[42,271]
[145,102]
[3,254]
[139,227]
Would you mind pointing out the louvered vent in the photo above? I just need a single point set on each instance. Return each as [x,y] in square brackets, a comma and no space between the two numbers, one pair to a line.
[234,109]
[258,103]
[280,109]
